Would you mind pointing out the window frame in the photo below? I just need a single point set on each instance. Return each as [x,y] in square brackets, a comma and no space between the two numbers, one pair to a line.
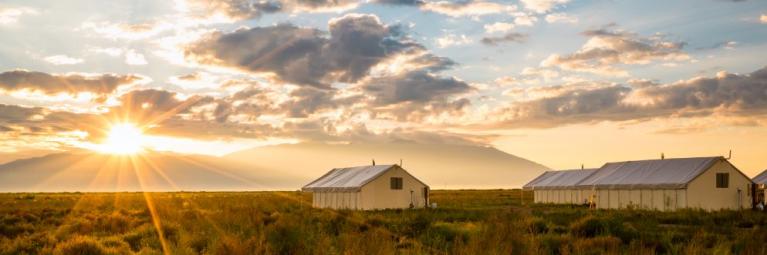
[722,180]
[396,183]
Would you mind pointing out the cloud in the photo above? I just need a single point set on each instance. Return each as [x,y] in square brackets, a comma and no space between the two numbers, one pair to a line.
[467,8]
[114,52]
[128,31]
[306,101]
[510,37]
[542,6]
[525,20]
[305,56]
[11,114]
[63,60]
[450,40]
[248,9]
[560,18]
[607,48]
[727,95]
[727,45]
[401,2]
[10,16]
[415,87]
[498,27]
[455,9]
[100,84]
[763,19]
[134,58]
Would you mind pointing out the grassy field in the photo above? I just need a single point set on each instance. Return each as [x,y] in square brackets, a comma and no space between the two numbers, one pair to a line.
[466,222]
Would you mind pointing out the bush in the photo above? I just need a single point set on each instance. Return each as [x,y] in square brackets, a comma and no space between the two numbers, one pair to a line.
[28,244]
[588,227]
[418,225]
[80,245]
[114,223]
[230,246]
[554,244]
[597,245]
[285,236]
[537,226]
[452,232]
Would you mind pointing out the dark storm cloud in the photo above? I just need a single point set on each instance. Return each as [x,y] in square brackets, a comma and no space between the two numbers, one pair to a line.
[510,37]
[64,83]
[726,94]
[306,56]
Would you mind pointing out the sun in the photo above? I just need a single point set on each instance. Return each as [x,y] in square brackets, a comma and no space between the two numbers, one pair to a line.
[123,138]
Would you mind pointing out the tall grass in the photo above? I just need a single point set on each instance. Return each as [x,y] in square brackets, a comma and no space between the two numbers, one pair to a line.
[466,222]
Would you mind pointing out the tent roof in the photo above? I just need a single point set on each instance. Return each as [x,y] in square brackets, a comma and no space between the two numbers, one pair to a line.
[761,178]
[350,178]
[660,173]
[559,179]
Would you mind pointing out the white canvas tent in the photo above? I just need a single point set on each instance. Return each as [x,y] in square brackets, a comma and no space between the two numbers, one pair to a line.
[709,183]
[760,181]
[368,187]
[558,186]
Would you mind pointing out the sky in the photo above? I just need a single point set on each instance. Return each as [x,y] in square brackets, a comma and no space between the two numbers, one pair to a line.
[559,82]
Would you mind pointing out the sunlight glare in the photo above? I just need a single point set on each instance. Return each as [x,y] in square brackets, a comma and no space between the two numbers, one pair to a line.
[123,138]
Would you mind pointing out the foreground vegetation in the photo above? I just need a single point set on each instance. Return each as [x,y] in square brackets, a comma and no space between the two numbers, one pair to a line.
[466,222]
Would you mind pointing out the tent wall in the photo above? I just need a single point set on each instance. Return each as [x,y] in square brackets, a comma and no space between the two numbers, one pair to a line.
[378,194]
[703,193]
[661,199]
[336,200]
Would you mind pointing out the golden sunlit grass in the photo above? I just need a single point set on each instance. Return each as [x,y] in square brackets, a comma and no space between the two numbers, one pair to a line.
[466,222]
[123,139]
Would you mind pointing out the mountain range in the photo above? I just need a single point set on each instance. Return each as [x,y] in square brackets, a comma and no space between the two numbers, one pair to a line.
[278,167]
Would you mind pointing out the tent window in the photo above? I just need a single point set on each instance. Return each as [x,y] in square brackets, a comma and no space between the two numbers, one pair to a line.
[722,180]
[396,183]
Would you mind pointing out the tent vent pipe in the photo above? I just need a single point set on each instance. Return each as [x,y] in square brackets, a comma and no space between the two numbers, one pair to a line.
[662,156]
[374,162]
[729,156]
[400,162]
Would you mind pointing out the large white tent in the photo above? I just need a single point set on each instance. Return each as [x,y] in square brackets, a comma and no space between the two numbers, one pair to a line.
[709,183]
[367,188]
[761,179]
[558,186]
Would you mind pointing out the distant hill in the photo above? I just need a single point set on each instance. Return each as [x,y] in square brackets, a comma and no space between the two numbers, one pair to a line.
[441,166]
[150,172]
[280,167]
